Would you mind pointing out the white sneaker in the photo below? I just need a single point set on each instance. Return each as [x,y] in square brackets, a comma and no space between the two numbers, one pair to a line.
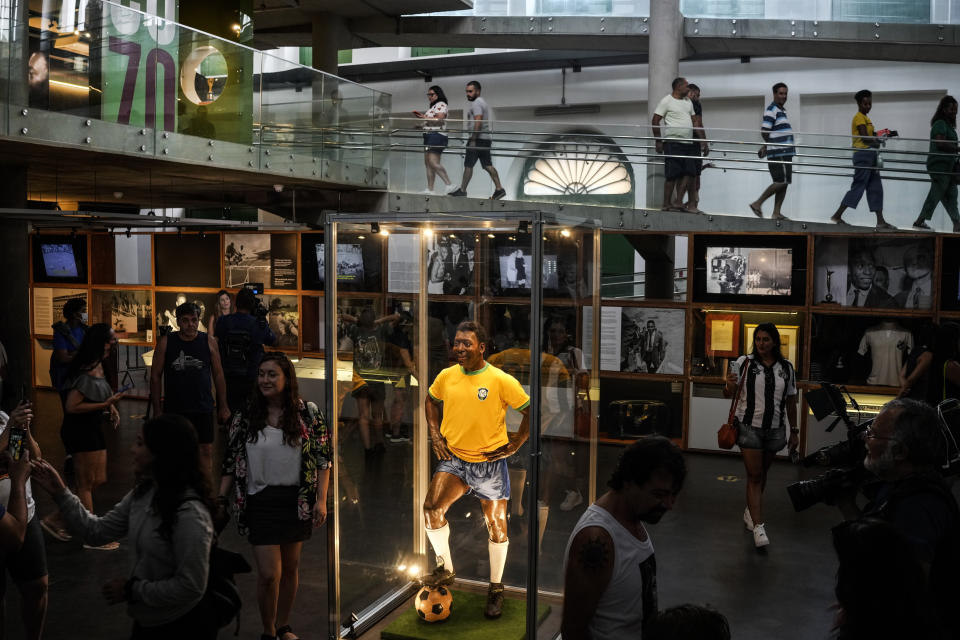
[572,499]
[760,538]
[747,520]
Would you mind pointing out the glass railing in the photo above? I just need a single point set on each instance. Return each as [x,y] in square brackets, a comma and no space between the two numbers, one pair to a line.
[889,11]
[570,163]
[103,76]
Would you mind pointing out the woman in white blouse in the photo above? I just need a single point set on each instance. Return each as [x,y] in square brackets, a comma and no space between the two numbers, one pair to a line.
[766,403]
[434,136]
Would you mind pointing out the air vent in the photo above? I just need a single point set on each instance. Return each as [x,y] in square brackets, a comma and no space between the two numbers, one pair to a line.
[566,109]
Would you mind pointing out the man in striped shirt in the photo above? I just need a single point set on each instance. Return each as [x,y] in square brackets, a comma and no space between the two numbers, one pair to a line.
[776,131]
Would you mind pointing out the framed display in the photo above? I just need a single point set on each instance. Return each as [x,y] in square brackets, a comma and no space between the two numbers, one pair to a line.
[283,261]
[884,273]
[450,264]
[246,258]
[129,312]
[749,269]
[60,259]
[950,274]
[168,301]
[789,336]
[652,340]
[358,262]
[187,260]
[283,317]
[723,335]
[510,266]
[48,307]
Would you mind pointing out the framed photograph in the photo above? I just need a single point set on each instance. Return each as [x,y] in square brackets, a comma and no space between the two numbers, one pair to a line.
[884,273]
[789,336]
[246,258]
[723,335]
[283,317]
[749,269]
[129,312]
[652,340]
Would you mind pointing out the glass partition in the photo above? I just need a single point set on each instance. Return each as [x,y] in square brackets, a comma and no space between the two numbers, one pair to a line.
[396,335]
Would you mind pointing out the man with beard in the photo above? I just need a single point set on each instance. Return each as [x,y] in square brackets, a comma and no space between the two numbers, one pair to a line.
[905,449]
[610,573]
[479,143]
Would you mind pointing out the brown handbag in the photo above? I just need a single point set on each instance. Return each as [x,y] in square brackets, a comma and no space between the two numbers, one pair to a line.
[729,430]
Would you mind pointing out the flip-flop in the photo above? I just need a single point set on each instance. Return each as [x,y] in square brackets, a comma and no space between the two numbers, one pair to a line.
[922,225]
[840,221]
[886,225]
[57,533]
[757,211]
[780,217]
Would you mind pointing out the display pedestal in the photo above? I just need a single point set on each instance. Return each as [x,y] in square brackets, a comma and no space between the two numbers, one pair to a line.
[466,621]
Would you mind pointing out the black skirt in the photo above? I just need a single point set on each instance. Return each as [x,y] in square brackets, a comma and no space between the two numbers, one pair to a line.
[272,517]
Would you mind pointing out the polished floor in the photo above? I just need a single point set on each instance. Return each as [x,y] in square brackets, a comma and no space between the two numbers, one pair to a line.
[704,554]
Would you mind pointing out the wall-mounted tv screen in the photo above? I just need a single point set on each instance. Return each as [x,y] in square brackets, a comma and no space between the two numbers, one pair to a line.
[349,263]
[358,262]
[516,271]
[60,259]
[750,269]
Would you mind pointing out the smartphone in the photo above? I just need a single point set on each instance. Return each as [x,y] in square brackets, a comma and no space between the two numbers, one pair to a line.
[735,368]
[17,438]
[125,388]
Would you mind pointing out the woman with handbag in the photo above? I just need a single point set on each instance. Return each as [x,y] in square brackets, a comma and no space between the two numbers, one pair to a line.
[765,401]
[942,165]
[166,519]
[278,463]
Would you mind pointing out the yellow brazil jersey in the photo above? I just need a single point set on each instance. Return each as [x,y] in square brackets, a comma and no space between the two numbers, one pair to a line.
[474,407]
[860,118]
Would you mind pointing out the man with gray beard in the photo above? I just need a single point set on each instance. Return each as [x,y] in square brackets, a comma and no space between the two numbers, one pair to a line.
[905,450]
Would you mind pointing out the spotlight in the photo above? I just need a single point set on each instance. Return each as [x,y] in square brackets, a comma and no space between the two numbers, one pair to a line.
[428,232]
[361,237]
[490,235]
[565,233]
[374,227]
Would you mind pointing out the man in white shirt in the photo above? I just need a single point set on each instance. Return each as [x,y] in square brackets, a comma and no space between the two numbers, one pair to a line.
[675,141]
[610,570]
[916,288]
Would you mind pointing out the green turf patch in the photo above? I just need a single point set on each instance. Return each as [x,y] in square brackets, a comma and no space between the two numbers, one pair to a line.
[466,621]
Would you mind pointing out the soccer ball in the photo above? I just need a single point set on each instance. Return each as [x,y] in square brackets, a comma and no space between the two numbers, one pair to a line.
[434,604]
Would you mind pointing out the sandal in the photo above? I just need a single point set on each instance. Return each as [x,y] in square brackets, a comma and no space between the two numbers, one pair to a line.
[57,533]
[757,211]
[840,221]
[920,224]
[284,630]
[886,225]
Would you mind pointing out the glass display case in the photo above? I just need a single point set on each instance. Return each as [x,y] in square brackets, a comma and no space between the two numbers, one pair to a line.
[395,336]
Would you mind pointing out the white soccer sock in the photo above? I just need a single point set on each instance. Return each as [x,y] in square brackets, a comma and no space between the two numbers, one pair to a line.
[498,559]
[440,540]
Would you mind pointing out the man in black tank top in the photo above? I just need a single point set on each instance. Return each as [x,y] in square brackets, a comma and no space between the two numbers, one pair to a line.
[184,363]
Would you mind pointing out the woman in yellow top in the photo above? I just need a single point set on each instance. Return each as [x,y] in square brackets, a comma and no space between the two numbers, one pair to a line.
[866,172]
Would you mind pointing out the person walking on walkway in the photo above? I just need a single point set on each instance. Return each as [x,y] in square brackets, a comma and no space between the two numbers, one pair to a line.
[942,165]
[676,111]
[866,164]
[776,132]
[434,136]
[479,143]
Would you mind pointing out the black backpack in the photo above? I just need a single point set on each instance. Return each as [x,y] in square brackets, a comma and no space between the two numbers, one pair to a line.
[221,599]
[235,351]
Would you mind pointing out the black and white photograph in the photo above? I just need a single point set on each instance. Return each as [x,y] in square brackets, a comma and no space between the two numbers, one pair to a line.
[749,270]
[283,316]
[349,263]
[129,312]
[652,340]
[450,264]
[168,301]
[516,268]
[246,258]
[894,273]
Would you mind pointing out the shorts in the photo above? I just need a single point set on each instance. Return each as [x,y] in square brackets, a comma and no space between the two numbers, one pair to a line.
[487,480]
[680,167]
[435,142]
[202,423]
[82,432]
[30,561]
[478,151]
[781,169]
[772,440]
[375,391]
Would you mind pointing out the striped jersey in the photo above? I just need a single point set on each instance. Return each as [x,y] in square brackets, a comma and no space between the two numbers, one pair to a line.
[763,400]
[777,127]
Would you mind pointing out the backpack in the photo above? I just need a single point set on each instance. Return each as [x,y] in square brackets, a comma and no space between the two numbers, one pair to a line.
[234,352]
[221,599]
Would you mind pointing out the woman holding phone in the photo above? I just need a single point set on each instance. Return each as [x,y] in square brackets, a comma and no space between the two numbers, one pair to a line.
[766,403]
[434,136]
[91,405]
[278,464]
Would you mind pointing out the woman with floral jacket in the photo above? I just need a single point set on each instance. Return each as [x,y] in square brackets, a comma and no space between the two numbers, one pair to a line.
[278,463]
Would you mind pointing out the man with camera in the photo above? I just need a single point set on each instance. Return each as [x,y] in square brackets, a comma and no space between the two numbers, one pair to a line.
[241,336]
[906,450]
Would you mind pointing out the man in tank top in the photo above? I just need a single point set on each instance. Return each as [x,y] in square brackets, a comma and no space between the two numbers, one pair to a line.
[184,365]
[610,570]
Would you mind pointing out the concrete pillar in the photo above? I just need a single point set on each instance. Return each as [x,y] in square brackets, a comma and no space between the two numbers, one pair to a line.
[657,252]
[328,31]
[665,45]
[15,265]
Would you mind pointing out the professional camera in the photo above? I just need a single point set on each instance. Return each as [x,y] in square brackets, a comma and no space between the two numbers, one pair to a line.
[260,311]
[843,459]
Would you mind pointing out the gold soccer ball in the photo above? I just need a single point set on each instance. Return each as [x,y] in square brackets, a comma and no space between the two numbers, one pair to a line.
[434,604]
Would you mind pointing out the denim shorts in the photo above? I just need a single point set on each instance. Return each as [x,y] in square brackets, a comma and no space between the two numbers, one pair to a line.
[435,142]
[487,480]
[772,440]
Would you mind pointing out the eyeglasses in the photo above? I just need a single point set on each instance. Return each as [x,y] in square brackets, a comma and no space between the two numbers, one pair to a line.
[431,93]
[870,434]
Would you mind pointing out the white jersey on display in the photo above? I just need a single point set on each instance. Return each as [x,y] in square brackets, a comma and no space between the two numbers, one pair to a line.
[886,342]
